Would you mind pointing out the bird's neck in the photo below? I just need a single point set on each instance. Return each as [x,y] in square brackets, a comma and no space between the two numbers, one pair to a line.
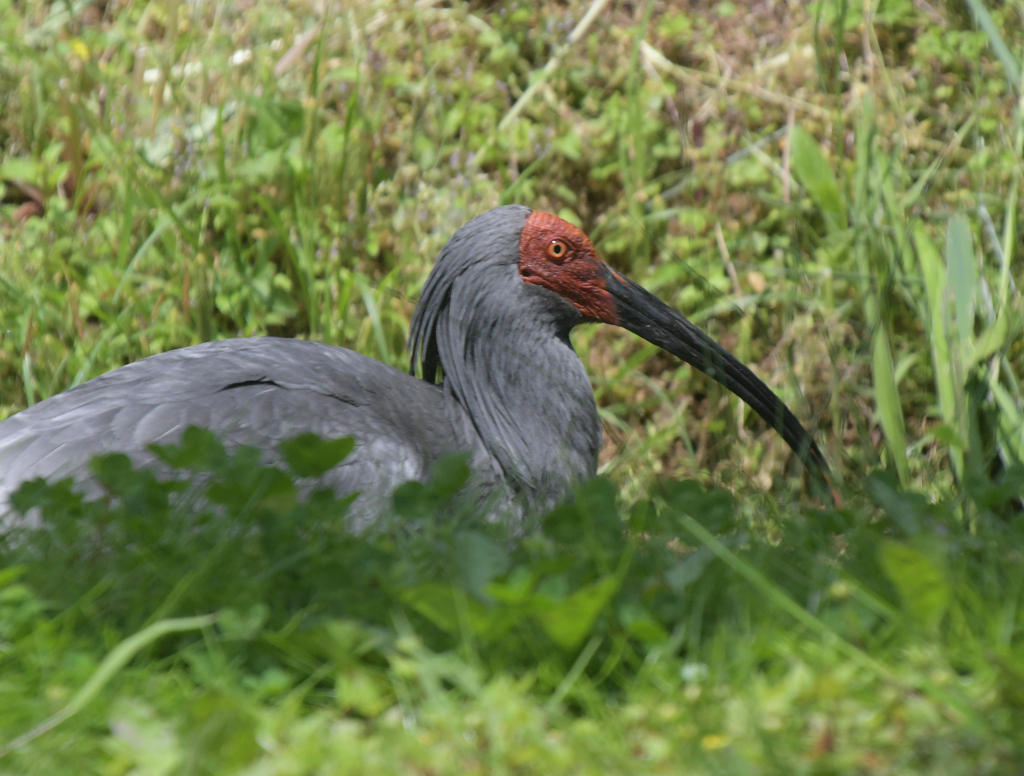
[529,399]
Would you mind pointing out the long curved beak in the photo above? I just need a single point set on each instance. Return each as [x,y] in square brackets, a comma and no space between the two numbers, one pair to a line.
[644,314]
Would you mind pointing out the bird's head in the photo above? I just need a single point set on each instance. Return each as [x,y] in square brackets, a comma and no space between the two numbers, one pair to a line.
[554,257]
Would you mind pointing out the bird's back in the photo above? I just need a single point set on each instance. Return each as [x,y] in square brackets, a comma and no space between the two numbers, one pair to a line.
[257,391]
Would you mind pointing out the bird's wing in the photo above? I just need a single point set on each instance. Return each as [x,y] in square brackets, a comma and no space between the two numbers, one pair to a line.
[256,391]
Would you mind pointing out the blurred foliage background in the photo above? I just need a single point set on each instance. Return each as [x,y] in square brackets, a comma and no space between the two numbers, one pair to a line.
[830,189]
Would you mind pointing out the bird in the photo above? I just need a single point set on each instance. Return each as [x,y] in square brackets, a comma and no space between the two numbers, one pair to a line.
[499,381]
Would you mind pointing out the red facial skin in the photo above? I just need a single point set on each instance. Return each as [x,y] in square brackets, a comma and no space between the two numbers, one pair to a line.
[556,255]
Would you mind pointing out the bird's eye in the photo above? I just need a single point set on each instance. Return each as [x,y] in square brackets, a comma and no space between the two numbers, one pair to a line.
[557,250]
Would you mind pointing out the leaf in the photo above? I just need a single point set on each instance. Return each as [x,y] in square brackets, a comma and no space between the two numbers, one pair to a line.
[1011,420]
[961,275]
[887,402]
[138,487]
[713,508]
[449,473]
[516,589]
[815,174]
[947,377]
[200,451]
[1006,58]
[414,500]
[641,624]
[18,168]
[569,145]
[242,625]
[920,581]
[438,604]
[250,487]
[993,339]
[901,507]
[688,570]
[10,574]
[569,621]
[947,434]
[363,690]
[57,496]
[933,270]
[310,456]
[479,560]
[260,168]
[597,501]
[435,602]
[564,523]
[157,151]
[152,741]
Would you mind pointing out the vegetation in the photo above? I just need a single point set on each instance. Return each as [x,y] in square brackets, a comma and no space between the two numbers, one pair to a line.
[831,190]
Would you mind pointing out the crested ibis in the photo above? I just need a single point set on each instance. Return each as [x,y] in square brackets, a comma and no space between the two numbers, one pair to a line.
[494,318]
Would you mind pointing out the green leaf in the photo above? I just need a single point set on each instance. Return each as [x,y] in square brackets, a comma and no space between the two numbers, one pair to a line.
[564,523]
[157,151]
[641,624]
[441,604]
[919,579]
[414,500]
[713,508]
[902,508]
[436,603]
[242,625]
[814,173]
[947,381]
[568,145]
[949,435]
[569,621]
[364,691]
[1011,420]
[17,168]
[200,451]
[252,486]
[310,456]
[57,496]
[262,167]
[515,589]
[688,570]
[1006,58]
[887,402]
[597,501]
[449,473]
[961,270]
[479,560]
[933,270]
[993,339]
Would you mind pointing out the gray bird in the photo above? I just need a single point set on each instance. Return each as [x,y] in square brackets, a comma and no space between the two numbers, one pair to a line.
[494,319]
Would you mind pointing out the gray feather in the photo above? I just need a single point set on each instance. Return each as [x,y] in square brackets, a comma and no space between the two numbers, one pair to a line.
[258,392]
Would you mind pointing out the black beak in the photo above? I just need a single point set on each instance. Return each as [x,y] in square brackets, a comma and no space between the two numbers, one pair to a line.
[646,315]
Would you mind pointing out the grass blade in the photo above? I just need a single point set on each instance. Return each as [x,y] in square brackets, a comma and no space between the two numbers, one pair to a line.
[962,278]
[115,660]
[947,388]
[815,174]
[887,402]
[995,40]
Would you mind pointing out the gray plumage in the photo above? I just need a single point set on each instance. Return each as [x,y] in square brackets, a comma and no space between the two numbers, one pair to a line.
[505,351]
[503,346]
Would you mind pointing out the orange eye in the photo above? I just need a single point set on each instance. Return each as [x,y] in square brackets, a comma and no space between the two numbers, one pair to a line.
[557,250]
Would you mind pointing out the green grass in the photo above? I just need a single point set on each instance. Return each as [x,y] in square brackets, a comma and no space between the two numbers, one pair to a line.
[833,197]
